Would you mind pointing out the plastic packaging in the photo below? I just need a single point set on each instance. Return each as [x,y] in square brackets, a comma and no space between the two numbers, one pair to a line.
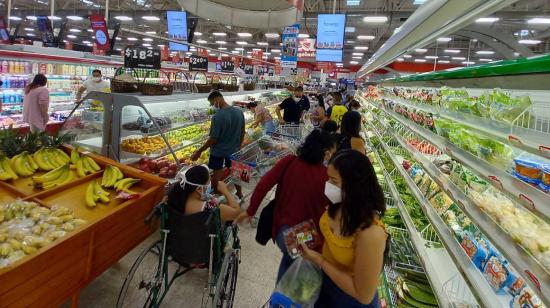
[301,283]
[478,253]
[545,178]
[528,169]
[303,233]
[497,273]
[526,299]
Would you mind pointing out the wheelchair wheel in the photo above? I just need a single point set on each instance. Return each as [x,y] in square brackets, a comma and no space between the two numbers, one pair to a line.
[140,286]
[227,281]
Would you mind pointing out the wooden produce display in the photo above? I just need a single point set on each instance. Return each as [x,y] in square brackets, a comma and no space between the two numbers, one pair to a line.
[57,271]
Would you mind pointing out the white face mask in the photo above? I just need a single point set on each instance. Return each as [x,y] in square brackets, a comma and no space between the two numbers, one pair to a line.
[297,99]
[97,79]
[333,193]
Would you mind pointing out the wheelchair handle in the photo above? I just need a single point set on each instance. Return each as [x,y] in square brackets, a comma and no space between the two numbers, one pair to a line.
[155,212]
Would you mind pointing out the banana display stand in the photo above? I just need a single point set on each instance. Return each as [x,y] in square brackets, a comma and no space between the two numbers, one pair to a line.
[58,271]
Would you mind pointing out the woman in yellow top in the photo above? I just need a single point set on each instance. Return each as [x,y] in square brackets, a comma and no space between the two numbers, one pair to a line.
[355,237]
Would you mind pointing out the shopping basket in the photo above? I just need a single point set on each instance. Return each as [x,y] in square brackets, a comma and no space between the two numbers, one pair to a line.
[294,134]
[250,163]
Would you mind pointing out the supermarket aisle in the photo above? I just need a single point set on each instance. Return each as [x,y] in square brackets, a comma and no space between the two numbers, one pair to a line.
[256,281]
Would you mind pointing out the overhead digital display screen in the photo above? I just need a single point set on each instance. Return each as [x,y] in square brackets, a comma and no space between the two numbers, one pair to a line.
[329,55]
[177,29]
[330,37]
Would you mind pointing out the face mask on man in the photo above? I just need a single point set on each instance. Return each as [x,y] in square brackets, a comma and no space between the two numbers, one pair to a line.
[97,79]
[297,99]
[333,193]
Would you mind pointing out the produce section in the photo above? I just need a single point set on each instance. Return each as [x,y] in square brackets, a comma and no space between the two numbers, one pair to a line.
[482,182]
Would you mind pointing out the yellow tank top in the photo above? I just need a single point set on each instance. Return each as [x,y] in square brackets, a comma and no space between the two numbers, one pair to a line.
[337,113]
[338,250]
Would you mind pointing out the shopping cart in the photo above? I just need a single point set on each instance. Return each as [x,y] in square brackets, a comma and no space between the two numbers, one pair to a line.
[250,163]
[292,133]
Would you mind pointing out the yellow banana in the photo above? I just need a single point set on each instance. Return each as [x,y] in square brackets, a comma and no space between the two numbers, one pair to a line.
[74,156]
[125,184]
[64,177]
[31,161]
[80,171]
[42,161]
[63,155]
[100,193]
[92,163]
[86,163]
[50,176]
[20,166]
[53,155]
[90,202]
[106,173]
[119,175]
[5,163]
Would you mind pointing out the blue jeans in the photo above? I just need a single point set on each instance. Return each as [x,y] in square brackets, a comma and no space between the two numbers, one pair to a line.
[332,296]
[286,260]
[269,127]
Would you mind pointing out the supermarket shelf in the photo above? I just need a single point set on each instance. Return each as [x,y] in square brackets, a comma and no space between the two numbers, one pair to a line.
[533,272]
[126,132]
[532,198]
[478,285]
[418,242]
[530,140]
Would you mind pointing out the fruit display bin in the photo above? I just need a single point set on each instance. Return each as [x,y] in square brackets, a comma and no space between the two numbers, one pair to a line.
[57,272]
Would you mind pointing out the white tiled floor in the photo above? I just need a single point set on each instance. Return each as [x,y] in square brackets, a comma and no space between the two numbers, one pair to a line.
[256,279]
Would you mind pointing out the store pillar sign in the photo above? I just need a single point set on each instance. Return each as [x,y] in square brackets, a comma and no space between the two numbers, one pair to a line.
[45,27]
[289,54]
[99,26]
[137,57]
[257,56]
[4,35]
[306,49]
[197,63]
[177,29]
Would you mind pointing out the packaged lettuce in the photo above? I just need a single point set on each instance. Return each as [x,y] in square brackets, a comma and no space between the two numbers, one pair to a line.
[506,108]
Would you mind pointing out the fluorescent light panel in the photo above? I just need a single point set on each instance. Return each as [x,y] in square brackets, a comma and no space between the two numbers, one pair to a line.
[244,34]
[150,18]
[421,50]
[219,34]
[455,51]
[539,20]
[487,20]
[375,19]
[530,42]
[272,35]
[361,47]
[485,52]
[444,39]
[365,37]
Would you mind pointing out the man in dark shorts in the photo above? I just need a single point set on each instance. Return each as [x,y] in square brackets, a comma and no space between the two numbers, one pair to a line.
[225,138]
[294,108]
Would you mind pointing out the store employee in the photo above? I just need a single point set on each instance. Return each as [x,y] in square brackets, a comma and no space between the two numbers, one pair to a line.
[294,108]
[94,83]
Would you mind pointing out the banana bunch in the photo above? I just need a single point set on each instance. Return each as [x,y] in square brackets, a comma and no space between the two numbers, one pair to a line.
[86,165]
[23,164]
[95,193]
[111,176]
[50,158]
[6,172]
[58,176]
[125,184]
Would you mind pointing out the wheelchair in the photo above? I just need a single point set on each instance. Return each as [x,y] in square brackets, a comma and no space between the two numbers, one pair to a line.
[197,241]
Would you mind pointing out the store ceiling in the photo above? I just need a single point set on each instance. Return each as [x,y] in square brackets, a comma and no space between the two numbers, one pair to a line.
[474,44]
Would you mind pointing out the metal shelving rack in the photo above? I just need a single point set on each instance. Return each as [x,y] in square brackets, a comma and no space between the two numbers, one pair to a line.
[473,277]
[429,258]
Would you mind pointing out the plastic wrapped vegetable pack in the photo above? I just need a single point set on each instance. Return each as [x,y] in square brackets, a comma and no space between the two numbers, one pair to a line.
[301,282]
[26,226]
[506,108]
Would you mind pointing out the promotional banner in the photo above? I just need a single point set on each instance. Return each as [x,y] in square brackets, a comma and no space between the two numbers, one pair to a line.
[45,29]
[4,35]
[140,57]
[227,66]
[306,49]
[257,55]
[177,29]
[330,37]
[197,63]
[289,54]
[101,34]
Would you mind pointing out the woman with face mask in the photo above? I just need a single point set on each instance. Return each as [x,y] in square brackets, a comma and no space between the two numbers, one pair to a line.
[193,194]
[355,236]
[300,184]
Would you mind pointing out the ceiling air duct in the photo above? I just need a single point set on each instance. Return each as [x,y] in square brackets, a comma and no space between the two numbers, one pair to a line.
[433,19]
[257,14]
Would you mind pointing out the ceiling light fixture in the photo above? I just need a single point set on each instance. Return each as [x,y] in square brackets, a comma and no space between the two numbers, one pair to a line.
[150,18]
[539,20]
[31,17]
[458,58]
[530,42]
[75,18]
[15,18]
[451,51]
[132,39]
[71,36]
[221,42]
[197,33]
[244,34]
[400,59]
[272,35]
[146,45]
[361,47]
[375,19]
[487,20]
[54,18]
[219,34]
[201,42]
[123,18]
[485,52]
[303,35]
[222,48]
[444,39]
[485,60]
[353,62]
[421,50]
[349,29]
[357,57]
[276,50]
[357,54]
[468,62]
[147,39]
[407,56]
[150,32]
[443,61]
[239,48]
[242,43]
[366,37]
[263,43]
[420,60]
[431,57]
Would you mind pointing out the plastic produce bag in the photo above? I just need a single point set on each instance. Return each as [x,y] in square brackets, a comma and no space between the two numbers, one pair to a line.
[301,282]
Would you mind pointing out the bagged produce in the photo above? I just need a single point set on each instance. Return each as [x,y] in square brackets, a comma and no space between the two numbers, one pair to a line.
[497,273]
[526,299]
[303,233]
[506,108]
[301,282]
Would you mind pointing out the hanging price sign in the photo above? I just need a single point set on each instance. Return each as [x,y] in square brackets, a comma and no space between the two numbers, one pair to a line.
[227,66]
[137,57]
[197,63]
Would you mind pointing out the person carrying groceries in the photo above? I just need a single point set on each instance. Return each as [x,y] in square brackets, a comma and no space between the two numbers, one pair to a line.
[355,236]
[296,200]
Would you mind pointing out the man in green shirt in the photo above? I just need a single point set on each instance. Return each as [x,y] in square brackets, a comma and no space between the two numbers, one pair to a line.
[226,136]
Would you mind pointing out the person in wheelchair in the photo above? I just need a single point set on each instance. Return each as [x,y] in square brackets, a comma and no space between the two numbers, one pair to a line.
[193,194]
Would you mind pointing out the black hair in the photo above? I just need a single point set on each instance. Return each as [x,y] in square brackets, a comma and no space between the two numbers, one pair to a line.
[251,105]
[337,97]
[362,196]
[299,89]
[312,151]
[330,126]
[351,124]
[354,103]
[177,196]
[96,71]
[39,80]
[321,101]
[214,94]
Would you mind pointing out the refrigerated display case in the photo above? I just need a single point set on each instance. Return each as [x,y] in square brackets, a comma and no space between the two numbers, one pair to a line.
[131,127]
[484,153]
